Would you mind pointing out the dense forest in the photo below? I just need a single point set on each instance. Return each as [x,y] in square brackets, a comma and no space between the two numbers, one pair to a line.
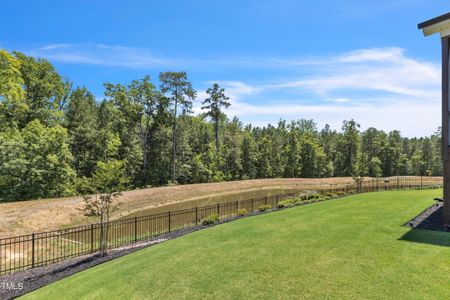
[54,135]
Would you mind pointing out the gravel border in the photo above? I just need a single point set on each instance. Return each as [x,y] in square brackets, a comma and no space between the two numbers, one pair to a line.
[429,219]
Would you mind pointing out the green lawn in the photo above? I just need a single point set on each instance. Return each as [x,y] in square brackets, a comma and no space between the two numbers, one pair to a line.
[352,248]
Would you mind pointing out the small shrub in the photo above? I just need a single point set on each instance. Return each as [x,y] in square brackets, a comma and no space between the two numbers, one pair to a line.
[287,203]
[298,202]
[242,212]
[304,196]
[282,203]
[211,219]
[311,196]
[306,202]
[340,194]
[329,195]
[264,207]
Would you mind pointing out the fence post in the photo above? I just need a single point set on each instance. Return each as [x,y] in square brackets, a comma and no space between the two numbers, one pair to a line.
[421,186]
[398,183]
[253,208]
[218,209]
[135,229]
[92,237]
[169,220]
[265,200]
[32,250]
[196,216]
[276,205]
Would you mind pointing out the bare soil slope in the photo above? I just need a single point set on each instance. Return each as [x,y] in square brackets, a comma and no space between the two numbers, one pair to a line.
[24,217]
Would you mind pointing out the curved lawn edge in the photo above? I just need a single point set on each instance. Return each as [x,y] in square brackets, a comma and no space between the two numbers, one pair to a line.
[37,278]
[321,242]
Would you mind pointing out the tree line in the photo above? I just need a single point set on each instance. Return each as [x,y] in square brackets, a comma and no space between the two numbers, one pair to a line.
[54,136]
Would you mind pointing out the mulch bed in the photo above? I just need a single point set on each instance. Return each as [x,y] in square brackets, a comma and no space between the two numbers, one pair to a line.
[429,219]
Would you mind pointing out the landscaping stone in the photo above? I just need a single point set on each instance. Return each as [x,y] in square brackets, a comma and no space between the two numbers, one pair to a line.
[429,219]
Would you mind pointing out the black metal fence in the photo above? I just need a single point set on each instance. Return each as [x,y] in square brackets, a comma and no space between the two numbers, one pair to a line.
[38,249]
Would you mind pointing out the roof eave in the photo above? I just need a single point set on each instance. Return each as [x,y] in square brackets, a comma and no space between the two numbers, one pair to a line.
[439,24]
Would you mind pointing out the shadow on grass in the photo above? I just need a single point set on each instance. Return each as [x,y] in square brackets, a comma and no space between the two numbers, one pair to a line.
[438,238]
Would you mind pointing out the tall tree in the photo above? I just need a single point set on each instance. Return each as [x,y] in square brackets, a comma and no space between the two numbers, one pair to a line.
[12,96]
[144,93]
[213,104]
[180,92]
[81,122]
[349,145]
[248,155]
[35,162]
[46,92]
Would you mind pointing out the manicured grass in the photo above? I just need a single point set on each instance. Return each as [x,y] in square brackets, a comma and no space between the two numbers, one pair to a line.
[352,248]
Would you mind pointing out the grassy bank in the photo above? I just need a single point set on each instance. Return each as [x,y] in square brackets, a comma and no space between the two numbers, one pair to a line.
[24,217]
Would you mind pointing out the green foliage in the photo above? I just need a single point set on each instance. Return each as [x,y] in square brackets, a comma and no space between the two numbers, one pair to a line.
[213,105]
[299,202]
[303,198]
[51,134]
[81,123]
[35,162]
[106,183]
[287,202]
[211,219]
[242,212]
[12,95]
[350,145]
[46,92]
[180,92]
[264,207]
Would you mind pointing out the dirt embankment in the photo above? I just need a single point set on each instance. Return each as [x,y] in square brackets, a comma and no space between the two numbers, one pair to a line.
[25,217]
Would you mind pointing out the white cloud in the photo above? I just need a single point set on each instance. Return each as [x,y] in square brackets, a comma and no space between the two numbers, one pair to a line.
[411,119]
[384,70]
[382,87]
[55,46]
[341,100]
[100,54]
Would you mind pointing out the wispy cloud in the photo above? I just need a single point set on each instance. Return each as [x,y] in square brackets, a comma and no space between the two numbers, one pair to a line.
[100,54]
[55,46]
[379,86]
[386,70]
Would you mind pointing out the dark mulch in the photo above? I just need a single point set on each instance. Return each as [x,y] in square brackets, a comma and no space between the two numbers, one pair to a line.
[429,219]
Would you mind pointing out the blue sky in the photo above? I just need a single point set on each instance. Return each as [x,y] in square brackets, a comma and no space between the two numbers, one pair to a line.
[326,60]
